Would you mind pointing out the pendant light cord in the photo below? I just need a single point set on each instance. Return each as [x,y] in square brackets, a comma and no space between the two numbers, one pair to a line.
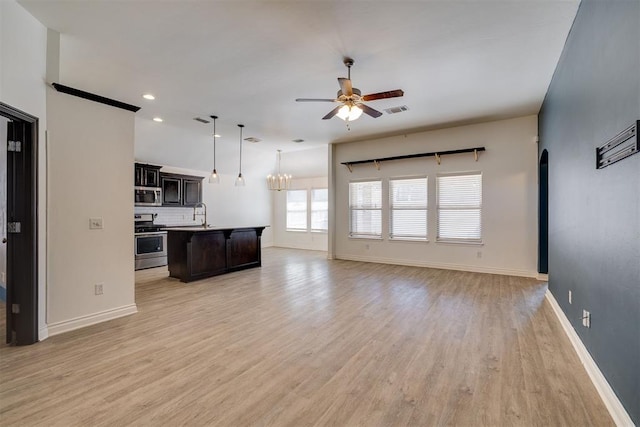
[214,141]
[241,126]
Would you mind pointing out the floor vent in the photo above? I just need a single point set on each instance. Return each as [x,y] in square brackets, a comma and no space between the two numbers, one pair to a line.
[395,110]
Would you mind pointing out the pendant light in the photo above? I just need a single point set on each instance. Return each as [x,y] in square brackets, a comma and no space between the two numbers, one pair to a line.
[281,181]
[214,178]
[240,180]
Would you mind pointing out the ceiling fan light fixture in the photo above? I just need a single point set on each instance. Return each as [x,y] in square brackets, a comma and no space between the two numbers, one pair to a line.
[349,113]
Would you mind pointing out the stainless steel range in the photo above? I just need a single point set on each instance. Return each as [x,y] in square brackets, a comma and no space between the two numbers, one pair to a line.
[150,243]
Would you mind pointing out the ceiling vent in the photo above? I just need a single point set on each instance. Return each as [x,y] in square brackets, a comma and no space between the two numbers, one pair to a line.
[298,141]
[201,120]
[395,110]
[252,139]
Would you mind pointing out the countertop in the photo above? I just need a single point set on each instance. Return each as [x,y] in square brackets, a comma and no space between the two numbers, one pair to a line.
[200,228]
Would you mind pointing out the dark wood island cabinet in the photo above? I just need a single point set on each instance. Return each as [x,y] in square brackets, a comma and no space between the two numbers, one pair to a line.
[197,252]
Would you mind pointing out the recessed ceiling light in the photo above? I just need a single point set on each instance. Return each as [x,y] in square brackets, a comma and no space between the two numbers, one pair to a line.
[216,135]
[157,119]
[148,96]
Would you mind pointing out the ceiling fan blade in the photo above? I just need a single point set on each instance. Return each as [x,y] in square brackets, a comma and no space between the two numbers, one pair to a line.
[332,113]
[382,95]
[345,86]
[370,111]
[315,100]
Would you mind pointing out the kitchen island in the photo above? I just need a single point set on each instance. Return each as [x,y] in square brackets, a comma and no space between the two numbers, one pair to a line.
[197,252]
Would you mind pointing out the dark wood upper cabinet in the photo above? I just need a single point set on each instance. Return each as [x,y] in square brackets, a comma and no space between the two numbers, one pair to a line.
[191,191]
[147,175]
[180,190]
[171,190]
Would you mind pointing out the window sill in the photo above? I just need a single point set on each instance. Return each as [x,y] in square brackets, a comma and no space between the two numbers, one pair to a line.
[319,231]
[365,238]
[461,242]
[295,230]
[405,240]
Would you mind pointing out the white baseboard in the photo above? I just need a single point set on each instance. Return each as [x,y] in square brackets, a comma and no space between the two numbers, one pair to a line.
[91,319]
[43,333]
[440,265]
[543,277]
[608,396]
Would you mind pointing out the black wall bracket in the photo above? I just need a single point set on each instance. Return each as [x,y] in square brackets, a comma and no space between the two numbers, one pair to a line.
[621,146]
[93,97]
[436,154]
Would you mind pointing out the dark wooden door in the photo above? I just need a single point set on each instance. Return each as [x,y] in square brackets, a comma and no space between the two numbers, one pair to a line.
[22,290]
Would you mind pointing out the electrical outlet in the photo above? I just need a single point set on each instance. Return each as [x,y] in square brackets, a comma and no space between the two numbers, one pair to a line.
[3,277]
[570,298]
[479,254]
[95,223]
[586,319]
[98,288]
[366,246]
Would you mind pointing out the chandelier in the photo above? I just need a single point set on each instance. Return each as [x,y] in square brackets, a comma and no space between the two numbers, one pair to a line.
[280,181]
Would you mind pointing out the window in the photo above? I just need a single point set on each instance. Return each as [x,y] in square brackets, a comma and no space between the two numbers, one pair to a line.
[319,209]
[459,207]
[297,210]
[408,209]
[365,209]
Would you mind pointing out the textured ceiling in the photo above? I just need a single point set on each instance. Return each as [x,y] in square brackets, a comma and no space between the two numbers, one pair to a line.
[247,61]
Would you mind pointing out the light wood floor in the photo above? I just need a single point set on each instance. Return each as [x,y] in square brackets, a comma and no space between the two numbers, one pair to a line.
[306,341]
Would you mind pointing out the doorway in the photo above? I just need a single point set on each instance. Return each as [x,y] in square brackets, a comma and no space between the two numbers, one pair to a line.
[20,220]
[543,215]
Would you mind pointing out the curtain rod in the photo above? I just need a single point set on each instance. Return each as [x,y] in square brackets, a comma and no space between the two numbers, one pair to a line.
[435,154]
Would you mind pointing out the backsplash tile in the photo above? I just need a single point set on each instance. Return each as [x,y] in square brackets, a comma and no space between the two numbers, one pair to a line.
[171,216]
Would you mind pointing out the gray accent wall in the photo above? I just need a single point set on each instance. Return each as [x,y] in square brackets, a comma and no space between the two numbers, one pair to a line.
[594,215]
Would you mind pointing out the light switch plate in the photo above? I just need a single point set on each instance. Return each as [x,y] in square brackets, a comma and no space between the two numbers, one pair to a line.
[95,223]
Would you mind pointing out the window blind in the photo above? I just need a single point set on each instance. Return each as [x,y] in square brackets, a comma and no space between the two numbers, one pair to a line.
[365,206]
[408,208]
[460,207]
[297,210]
[319,209]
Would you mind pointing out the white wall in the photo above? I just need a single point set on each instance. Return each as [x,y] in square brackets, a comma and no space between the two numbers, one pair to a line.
[23,49]
[90,176]
[509,210]
[309,169]
[296,239]
[227,205]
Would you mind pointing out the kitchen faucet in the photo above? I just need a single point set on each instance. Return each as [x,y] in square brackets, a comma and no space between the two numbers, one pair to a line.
[195,207]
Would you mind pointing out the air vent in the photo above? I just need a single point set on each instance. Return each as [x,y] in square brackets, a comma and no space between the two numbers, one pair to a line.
[252,139]
[201,120]
[298,141]
[395,110]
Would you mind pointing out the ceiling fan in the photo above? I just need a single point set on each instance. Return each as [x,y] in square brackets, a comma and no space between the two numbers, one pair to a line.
[351,99]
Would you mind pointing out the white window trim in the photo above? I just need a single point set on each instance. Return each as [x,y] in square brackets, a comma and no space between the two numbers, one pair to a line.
[310,209]
[453,241]
[286,209]
[364,236]
[390,210]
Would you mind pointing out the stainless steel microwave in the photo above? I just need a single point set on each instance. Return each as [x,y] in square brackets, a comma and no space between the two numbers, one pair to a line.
[147,196]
